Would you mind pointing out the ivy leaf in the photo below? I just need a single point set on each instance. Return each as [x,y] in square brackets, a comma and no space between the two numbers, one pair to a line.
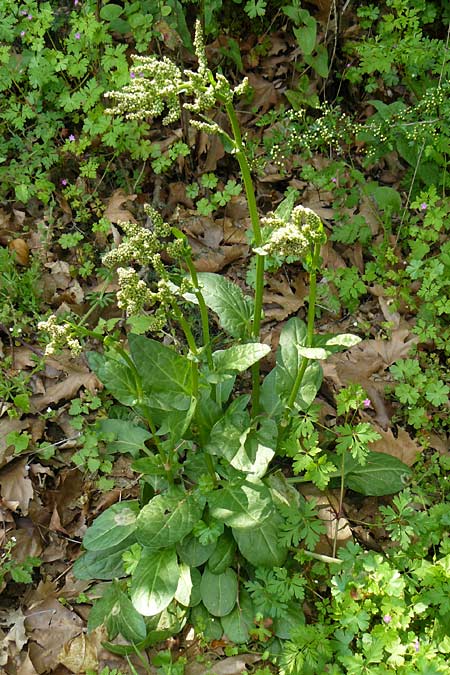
[155,581]
[234,309]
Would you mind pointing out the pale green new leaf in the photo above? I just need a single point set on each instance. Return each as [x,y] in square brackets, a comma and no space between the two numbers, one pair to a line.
[234,309]
[239,357]
[155,581]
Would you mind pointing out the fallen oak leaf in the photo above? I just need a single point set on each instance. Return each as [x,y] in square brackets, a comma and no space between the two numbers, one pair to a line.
[15,485]
[401,446]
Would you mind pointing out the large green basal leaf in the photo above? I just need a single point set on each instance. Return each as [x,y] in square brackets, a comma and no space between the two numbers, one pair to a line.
[165,374]
[260,545]
[112,526]
[325,345]
[155,581]
[236,625]
[234,309]
[167,519]
[192,552]
[126,436]
[115,610]
[241,505]
[289,360]
[117,376]
[105,564]
[381,475]
[219,591]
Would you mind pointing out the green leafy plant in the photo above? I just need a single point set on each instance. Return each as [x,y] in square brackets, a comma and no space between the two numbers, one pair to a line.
[211,536]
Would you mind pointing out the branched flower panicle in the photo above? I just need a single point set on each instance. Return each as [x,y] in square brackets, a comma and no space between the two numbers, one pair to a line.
[294,237]
[157,84]
[140,246]
[134,294]
[61,336]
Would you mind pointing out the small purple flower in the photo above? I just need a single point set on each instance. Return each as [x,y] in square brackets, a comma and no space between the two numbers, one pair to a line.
[387,618]
[22,33]
[29,17]
[132,74]
[416,645]
[72,137]
[334,180]
[367,403]
[23,12]
[77,36]
[141,74]
[75,3]
[64,181]
[424,206]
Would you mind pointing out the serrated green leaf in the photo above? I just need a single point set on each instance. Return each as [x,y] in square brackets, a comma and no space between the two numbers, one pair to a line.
[219,591]
[115,610]
[237,624]
[112,526]
[167,519]
[234,309]
[155,581]
[261,545]
[243,505]
[382,474]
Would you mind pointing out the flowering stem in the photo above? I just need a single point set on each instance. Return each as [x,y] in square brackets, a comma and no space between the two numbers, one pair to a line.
[310,324]
[257,237]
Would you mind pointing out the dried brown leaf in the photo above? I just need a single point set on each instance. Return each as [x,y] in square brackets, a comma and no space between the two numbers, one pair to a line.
[16,486]
[65,390]
[50,627]
[21,250]
[265,95]
[14,619]
[7,426]
[26,667]
[80,653]
[280,301]
[233,665]
[403,446]
[115,211]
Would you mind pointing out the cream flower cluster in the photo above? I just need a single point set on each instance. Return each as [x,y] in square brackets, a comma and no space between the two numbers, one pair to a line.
[61,336]
[294,237]
[157,84]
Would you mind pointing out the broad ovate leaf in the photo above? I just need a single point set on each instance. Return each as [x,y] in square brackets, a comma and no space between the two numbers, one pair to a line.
[112,526]
[165,374]
[219,591]
[237,624]
[382,474]
[242,505]
[118,377]
[192,552]
[115,610]
[104,564]
[167,519]
[125,436]
[234,309]
[261,545]
[155,581]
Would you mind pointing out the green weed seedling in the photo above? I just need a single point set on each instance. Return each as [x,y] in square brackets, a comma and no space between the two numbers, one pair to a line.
[218,537]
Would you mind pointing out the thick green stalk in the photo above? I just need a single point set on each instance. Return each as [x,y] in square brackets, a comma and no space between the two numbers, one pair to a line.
[310,324]
[257,237]
[203,313]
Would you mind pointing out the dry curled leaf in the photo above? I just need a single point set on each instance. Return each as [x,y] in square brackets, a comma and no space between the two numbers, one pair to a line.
[401,446]
[21,250]
[115,210]
[16,487]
